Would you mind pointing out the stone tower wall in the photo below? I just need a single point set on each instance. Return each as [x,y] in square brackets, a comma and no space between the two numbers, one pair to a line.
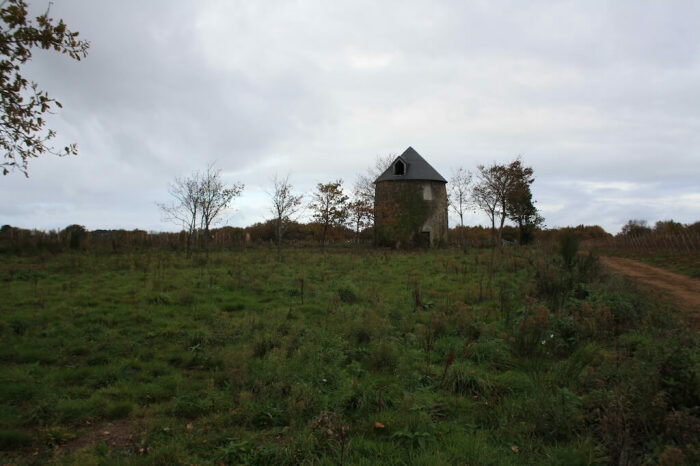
[411,213]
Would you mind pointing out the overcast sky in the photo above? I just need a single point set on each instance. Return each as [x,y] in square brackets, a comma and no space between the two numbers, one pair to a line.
[602,99]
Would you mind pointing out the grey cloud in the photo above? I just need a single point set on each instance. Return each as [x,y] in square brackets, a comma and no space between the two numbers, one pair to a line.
[589,93]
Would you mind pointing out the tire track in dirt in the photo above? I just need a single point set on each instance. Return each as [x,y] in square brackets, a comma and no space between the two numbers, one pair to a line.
[683,290]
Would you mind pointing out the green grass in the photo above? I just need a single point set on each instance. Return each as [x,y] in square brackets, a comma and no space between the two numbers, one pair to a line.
[219,361]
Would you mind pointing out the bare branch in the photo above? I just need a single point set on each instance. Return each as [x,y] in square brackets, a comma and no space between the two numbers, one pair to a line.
[198,202]
[284,204]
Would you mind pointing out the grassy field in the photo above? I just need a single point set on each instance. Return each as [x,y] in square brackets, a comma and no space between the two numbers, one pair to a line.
[348,357]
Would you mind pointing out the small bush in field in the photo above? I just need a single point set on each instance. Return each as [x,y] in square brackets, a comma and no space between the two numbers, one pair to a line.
[533,328]
[348,294]
[550,284]
[588,268]
[679,379]
[565,334]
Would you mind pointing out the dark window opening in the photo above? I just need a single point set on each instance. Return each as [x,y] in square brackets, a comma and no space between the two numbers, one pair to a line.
[399,168]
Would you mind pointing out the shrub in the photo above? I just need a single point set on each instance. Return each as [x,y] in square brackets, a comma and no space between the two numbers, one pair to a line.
[550,283]
[348,294]
[679,379]
[366,325]
[532,329]
[564,335]
[588,268]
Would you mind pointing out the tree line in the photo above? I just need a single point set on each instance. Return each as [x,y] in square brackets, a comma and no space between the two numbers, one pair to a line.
[75,237]
[502,191]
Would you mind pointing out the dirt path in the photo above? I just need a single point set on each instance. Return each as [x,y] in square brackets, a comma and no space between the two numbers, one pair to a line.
[682,289]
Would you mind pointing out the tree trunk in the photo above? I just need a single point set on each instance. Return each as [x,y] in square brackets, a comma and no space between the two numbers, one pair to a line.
[206,242]
[500,226]
[323,237]
[279,239]
[493,227]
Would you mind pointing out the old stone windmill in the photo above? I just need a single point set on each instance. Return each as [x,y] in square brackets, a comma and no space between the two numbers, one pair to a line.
[410,203]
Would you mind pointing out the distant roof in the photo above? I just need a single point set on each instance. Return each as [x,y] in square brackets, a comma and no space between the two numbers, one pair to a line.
[416,169]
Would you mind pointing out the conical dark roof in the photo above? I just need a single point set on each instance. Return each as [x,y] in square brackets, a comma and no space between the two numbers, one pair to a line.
[416,169]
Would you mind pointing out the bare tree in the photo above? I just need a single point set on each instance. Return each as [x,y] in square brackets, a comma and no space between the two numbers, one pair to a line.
[198,202]
[460,197]
[184,209]
[284,204]
[364,184]
[329,204]
[362,209]
[214,198]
